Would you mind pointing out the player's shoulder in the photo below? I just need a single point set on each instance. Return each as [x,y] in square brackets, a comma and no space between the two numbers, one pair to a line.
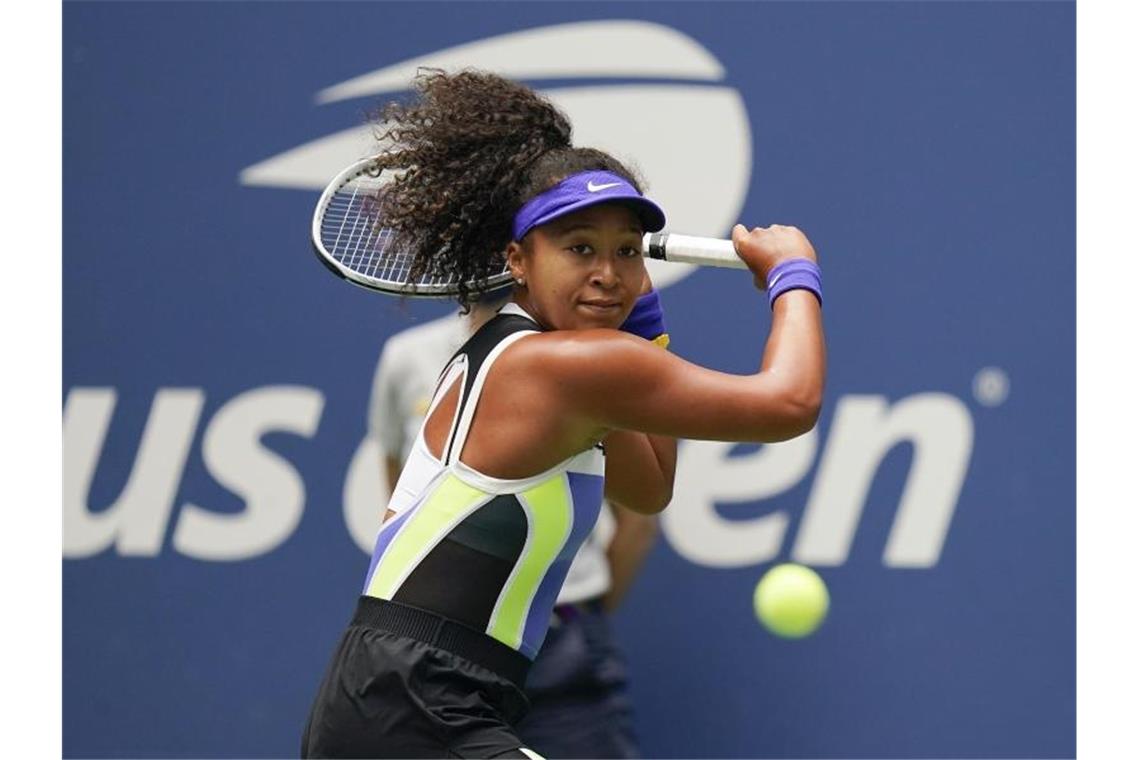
[591,340]
[569,352]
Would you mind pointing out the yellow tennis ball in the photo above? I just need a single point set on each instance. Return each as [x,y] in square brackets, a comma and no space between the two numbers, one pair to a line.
[791,600]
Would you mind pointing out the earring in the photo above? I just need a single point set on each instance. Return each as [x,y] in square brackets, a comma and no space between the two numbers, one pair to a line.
[521,281]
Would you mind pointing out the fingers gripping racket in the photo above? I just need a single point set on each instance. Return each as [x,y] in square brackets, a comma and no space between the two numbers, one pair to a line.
[350,239]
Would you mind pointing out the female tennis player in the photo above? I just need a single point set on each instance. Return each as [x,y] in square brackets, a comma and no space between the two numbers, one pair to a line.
[548,406]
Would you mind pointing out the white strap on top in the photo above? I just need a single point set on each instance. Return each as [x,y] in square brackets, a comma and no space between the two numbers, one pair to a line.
[456,372]
[467,412]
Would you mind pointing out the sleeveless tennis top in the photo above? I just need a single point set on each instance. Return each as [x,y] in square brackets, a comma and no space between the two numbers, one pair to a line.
[489,553]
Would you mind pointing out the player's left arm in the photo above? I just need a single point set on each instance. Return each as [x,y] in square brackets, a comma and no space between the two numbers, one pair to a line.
[640,468]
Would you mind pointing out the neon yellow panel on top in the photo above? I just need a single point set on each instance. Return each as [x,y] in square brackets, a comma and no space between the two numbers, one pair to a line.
[550,514]
[432,520]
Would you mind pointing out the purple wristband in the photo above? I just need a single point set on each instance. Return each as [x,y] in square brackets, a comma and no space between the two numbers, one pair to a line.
[794,274]
[647,319]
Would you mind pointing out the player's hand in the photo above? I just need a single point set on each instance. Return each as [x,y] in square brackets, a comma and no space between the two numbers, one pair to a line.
[762,248]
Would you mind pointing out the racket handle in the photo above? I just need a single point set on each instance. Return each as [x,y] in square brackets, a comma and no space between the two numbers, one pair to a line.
[690,249]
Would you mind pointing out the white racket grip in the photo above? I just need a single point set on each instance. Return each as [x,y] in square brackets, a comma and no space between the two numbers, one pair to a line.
[690,249]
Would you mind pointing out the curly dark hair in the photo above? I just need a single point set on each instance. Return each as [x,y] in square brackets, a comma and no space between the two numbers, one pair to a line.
[467,152]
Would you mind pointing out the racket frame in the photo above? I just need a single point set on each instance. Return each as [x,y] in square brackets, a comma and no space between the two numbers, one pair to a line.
[662,246]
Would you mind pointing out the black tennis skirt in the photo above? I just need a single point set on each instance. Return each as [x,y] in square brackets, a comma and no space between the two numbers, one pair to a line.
[407,683]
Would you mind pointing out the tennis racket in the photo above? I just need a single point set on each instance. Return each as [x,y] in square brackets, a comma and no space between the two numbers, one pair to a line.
[350,239]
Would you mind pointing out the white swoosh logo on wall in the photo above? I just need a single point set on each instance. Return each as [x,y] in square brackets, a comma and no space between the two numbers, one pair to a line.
[619,48]
[622,48]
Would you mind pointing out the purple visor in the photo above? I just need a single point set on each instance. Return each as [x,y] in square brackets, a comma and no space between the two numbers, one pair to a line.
[579,191]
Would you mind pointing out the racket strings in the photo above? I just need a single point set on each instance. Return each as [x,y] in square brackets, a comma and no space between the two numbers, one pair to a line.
[352,234]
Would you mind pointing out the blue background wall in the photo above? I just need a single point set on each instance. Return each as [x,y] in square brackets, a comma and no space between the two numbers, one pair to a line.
[927,148]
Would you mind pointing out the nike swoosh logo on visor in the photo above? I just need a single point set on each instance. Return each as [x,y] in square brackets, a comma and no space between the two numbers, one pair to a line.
[595,188]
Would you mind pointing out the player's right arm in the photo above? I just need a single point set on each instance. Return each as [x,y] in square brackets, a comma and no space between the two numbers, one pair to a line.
[628,384]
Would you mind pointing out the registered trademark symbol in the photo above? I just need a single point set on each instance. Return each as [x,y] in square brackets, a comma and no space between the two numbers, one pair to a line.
[991,386]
